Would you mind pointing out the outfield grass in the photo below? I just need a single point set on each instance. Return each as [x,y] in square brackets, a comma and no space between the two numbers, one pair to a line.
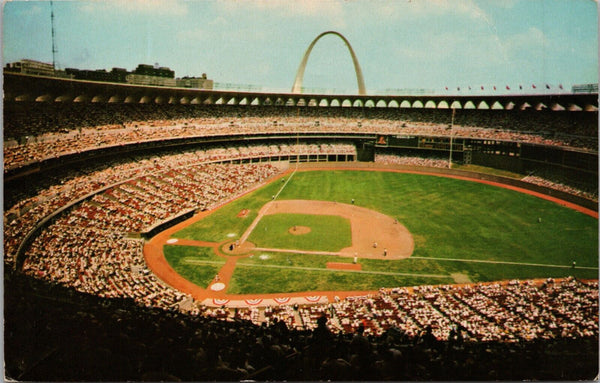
[448,218]
[328,232]
[201,274]
[270,280]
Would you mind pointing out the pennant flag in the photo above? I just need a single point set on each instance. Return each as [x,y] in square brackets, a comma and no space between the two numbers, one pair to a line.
[507,87]
[533,86]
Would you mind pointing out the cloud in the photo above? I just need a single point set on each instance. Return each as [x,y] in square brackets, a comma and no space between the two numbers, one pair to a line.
[412,9]
[148,7]
[331,10]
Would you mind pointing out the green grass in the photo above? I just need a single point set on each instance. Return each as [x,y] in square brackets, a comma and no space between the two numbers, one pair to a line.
[448,218]
[184,258]
[328,233]
[487,170]
[267,280]
[224,224]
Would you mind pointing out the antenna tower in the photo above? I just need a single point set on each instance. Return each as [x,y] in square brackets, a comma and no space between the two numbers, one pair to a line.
[53,42]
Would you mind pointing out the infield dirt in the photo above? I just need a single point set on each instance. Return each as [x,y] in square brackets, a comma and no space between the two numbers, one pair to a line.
[374,235]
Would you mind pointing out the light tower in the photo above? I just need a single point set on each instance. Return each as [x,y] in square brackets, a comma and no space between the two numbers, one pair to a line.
[53,43]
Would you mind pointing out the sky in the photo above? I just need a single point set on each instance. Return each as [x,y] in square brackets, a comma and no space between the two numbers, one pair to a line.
[401,45]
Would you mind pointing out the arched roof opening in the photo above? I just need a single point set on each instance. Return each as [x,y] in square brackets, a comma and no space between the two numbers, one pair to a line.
[456,105]
[84,98]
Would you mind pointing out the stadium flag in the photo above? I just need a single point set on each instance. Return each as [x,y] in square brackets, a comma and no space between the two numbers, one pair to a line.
[547,86]
[533,86]
[482,87]
[446,88]
[494,87]
[507,87]
[560,86]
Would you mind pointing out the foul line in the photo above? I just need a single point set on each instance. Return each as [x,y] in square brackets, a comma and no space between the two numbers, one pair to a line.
[199,262]
[296,251]
[506,263]
[260,215]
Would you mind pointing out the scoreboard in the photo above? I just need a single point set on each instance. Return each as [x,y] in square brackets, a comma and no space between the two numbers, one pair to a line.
[419,142]
[398,141]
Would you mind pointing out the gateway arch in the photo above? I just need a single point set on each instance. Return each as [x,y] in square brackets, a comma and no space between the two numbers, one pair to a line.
[297,88]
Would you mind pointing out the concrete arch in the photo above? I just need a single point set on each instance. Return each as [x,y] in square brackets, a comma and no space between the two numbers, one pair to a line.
[297,87]
[64,98]
[456,105]
[45,98]
[115,99]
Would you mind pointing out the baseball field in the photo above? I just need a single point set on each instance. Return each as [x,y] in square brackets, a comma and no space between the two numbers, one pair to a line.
[340,230]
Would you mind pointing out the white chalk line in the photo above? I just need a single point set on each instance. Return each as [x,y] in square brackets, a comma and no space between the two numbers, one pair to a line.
[305,268]
[506,263]
[260,214]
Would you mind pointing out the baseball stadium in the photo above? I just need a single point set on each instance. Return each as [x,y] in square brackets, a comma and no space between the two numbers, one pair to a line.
[166,233]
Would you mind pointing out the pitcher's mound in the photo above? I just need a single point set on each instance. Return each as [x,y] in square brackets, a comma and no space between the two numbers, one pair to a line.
[299,230]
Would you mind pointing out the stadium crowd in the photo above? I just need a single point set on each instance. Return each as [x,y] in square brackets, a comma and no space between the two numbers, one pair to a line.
[82,337]
[392,159]
[511,311]
[87,248]
[472,331]
[142,174]
[48,131]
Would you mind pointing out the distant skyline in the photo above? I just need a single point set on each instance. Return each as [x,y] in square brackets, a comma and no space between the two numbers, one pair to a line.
[401,45]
